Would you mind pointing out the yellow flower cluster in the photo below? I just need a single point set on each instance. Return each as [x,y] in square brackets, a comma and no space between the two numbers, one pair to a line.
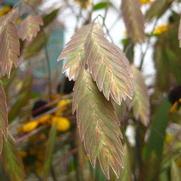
[4,10]
[145,1]
[161,29]
[62,124]
[28,127]
[62,106]
[84,3]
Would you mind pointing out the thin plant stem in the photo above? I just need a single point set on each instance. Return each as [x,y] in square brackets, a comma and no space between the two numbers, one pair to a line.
[147,47]
[104,25]
[115,22]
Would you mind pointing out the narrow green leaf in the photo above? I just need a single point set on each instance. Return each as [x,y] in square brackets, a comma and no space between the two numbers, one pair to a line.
[11,161]
[128,48]
[47,19]
[154,147]
[22,99]
[157,130]
[49,152]
[101,5]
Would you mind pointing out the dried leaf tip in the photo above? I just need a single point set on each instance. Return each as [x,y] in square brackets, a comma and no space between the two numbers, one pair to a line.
[30,27]
[107,64]
[11,161]
[74,52]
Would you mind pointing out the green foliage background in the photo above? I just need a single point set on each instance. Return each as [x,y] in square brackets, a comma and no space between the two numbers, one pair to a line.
[155,153]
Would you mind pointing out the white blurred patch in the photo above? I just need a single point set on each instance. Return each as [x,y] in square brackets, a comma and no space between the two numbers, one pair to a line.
[130,133]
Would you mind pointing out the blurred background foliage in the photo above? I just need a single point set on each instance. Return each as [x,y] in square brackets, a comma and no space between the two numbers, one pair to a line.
[39,102]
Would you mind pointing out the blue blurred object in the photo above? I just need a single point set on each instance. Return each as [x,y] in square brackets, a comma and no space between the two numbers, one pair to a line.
[40,69]
[10,2]
[54,47]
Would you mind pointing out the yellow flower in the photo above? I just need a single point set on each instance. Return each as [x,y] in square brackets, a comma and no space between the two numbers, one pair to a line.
[4,10]
[64,103]
[62,124]
[161,29]
[145,1]
[61,106]
[28,127]
[44,119]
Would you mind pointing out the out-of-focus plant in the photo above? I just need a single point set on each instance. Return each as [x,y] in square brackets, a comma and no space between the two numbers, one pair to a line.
[41,139]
